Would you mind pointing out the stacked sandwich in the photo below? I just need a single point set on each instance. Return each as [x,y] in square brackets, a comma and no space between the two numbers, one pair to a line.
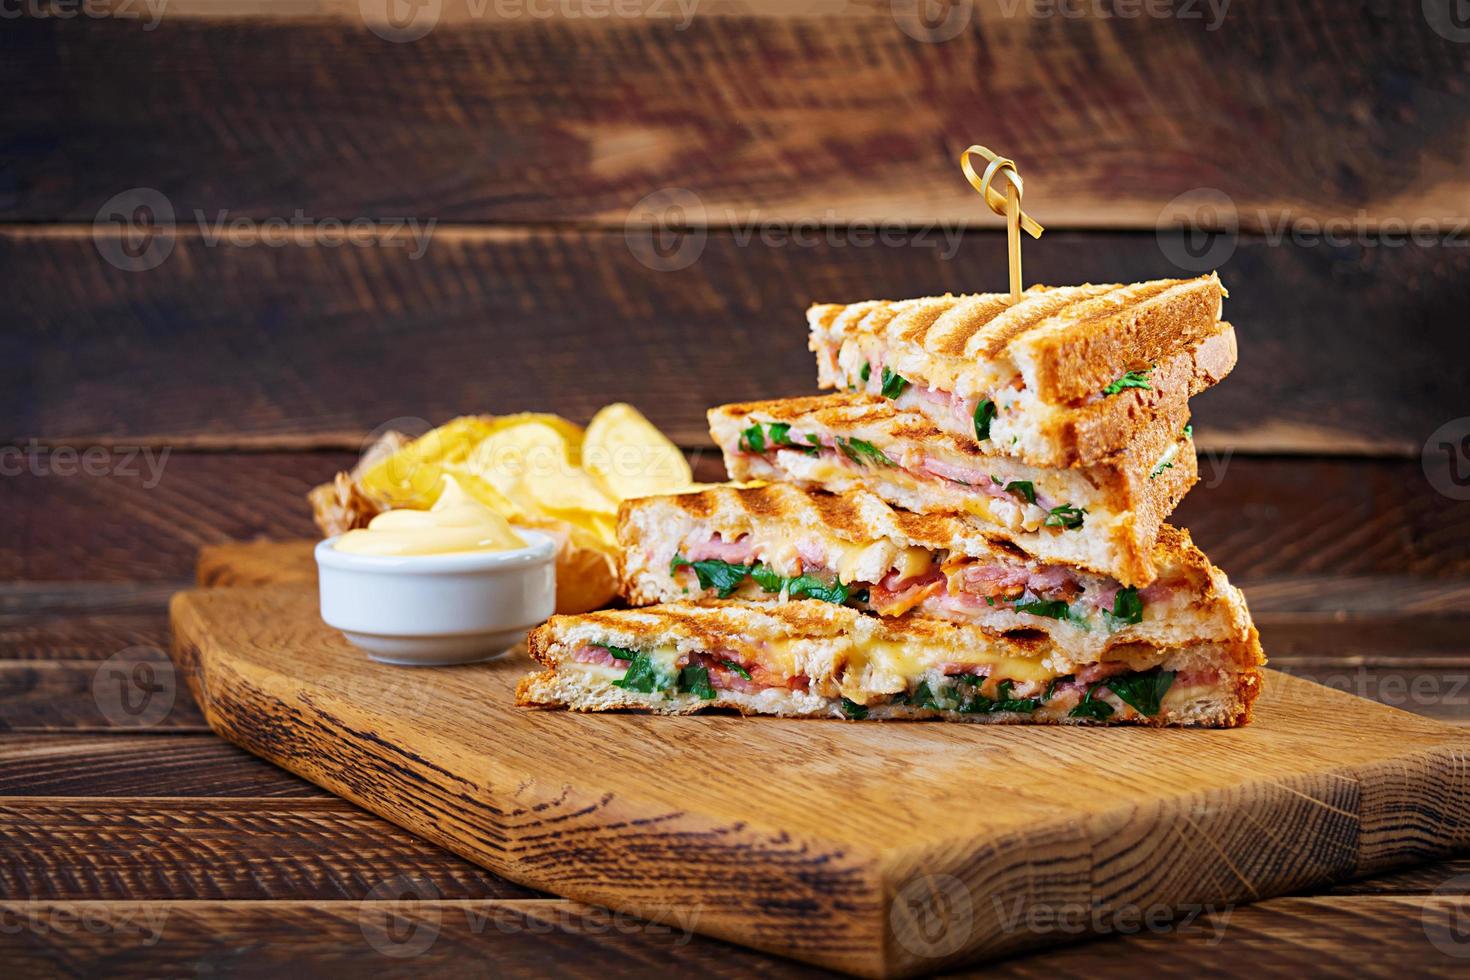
[972,528]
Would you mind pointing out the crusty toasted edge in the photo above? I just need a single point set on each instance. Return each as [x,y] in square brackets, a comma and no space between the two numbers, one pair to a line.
[1069,360]
[1088,434]
[578,692]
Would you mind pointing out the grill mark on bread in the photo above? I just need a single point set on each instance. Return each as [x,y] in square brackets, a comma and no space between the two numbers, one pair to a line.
[915,321]
[952,330]
[993,339]
[989,325]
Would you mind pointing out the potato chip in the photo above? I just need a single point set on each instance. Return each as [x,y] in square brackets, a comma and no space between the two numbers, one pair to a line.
[631,458]
[411,477]
[542,471]
[531,463]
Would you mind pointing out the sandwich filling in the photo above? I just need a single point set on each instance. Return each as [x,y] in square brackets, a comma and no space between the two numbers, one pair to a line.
[1005,414]
[1025,500]
[888,675]
[1000,591]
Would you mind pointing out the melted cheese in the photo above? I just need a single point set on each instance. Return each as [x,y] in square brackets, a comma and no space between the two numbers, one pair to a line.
[873,667]
[852,556]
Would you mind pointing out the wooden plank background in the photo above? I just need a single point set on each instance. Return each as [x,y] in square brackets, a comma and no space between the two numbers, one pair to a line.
[791,109]
[530,142]
[770,143]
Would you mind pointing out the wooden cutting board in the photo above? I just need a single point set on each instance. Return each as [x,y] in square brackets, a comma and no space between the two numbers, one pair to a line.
[878,849]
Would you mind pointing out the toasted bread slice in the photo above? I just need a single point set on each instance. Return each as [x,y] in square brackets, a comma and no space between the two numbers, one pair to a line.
[776,542]
[1104,518]
[1065,343]
[813,659]
[1017,423]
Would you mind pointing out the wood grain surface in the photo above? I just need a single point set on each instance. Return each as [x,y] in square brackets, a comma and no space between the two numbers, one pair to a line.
[820,111]
[273,679]
[294,342]
[82,602]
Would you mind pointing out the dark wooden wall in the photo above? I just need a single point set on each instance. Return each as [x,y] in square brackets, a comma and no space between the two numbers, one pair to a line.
[530,142]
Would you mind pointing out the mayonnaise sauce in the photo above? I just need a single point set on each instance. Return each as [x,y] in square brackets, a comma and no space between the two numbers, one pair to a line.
[456,523]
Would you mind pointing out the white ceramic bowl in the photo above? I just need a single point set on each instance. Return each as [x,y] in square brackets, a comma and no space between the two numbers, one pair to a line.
[438,609]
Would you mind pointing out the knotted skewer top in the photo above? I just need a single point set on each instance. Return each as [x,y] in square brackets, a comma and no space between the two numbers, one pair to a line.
[1007,204]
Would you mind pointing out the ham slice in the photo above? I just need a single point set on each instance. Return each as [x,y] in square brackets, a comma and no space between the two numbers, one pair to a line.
[597,655]
[741,551]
